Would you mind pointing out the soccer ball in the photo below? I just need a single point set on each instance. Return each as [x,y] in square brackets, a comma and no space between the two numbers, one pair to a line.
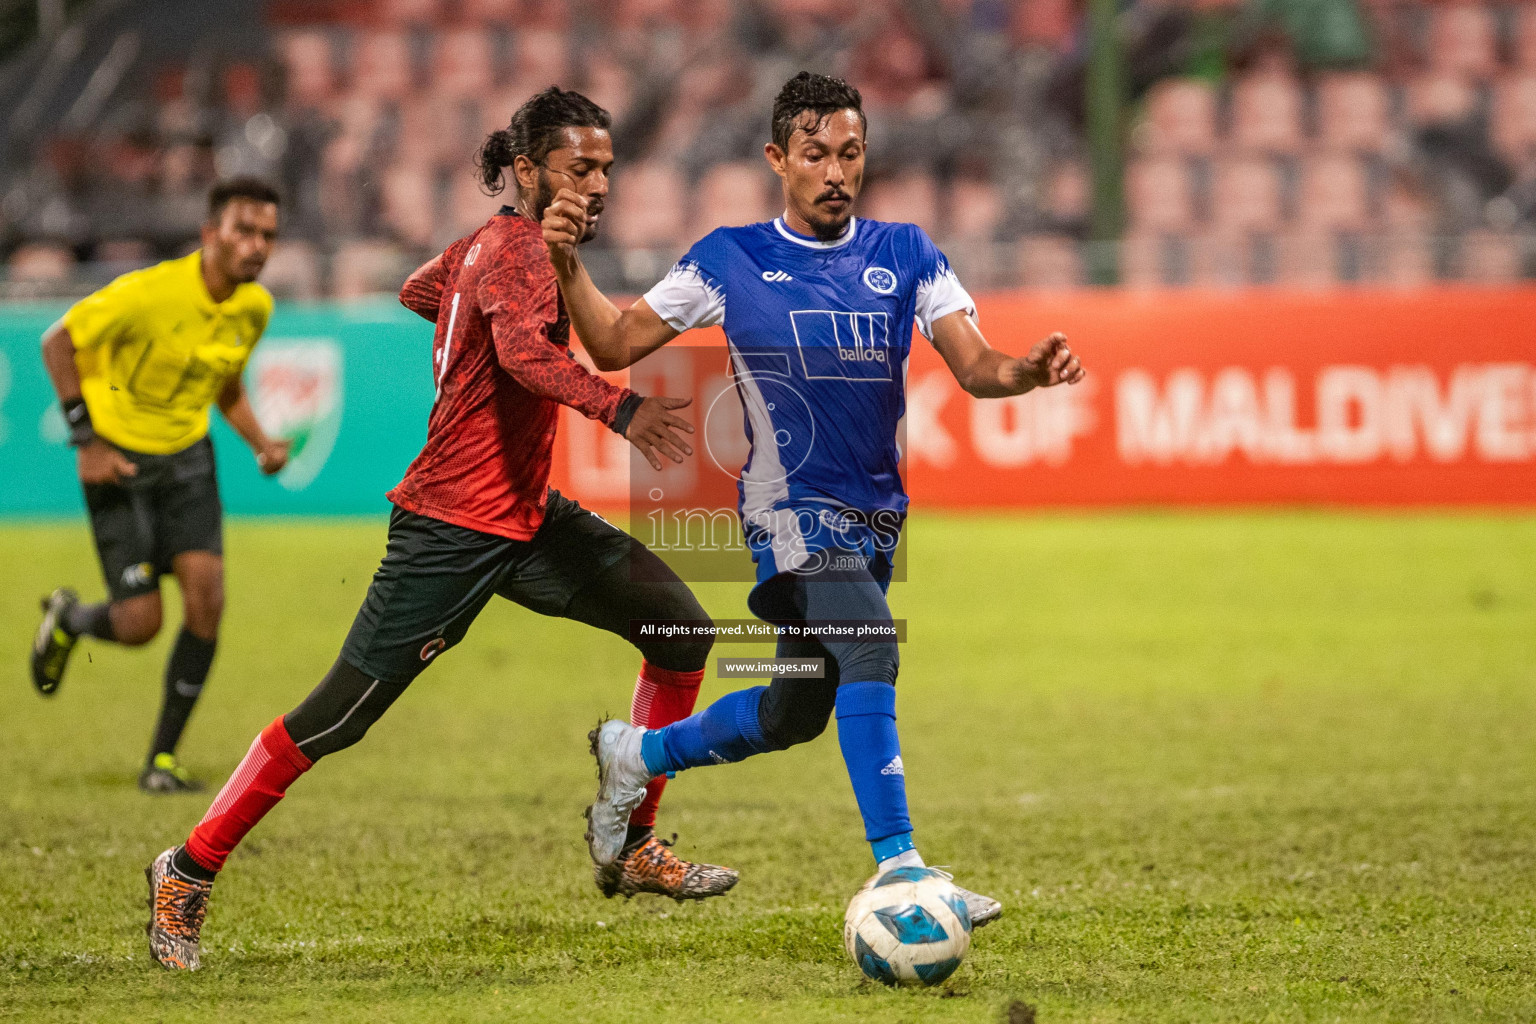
[908,926]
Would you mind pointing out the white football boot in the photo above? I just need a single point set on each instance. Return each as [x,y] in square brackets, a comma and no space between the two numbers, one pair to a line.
[983,909]
[621,781]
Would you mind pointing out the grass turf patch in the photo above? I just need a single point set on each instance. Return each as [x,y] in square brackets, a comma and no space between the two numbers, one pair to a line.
[1218,767]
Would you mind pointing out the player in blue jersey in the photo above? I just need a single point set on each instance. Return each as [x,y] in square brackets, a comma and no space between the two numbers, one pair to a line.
[817,308]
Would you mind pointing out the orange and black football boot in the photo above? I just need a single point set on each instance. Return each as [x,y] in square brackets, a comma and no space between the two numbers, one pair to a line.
[651,866]
[177,905]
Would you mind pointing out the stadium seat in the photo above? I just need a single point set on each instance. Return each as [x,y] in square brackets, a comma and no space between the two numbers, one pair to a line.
[382,65]
[1050,262]
[609,84]
[1334,193]
[410,203]
[911,196]
[541,58]
[1222,259]
[1246,195]
[1180,118]
[368,268]
[1150,260]
[1462,40]
[1266,113]
[1523,41]
[647,209]
[732,194]
[1158,195]
[1513,117]
[293,271]
[41,262]
[468,205]
[976,209]
[1306,259]
[406,12]
[1489,257]
[1440,99]
[357,116]
[436,130]
[463,62]
[1354,112]
[1402,257]
[311,72]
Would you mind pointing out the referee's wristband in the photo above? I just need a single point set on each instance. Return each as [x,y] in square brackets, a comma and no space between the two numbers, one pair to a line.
[626,412]
[79,419]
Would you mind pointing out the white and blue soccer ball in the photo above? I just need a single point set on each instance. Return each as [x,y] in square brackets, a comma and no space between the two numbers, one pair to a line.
[908,926]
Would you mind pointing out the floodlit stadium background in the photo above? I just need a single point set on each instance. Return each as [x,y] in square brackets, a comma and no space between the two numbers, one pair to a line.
[1334,190]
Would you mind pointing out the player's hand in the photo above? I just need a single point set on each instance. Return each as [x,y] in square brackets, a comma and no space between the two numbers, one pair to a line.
[1050,362]
[651,430]
[272,456]
[100,463]
[565,224]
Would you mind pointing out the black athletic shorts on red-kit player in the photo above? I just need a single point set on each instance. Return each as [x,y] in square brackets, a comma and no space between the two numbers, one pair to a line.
[436,577]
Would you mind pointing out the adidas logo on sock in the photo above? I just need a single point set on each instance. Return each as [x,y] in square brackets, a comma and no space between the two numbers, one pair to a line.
[894,768]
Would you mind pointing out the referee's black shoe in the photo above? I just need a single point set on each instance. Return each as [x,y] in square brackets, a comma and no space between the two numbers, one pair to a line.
[53,644]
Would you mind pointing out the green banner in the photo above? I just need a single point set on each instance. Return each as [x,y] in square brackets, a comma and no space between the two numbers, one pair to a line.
[350,384]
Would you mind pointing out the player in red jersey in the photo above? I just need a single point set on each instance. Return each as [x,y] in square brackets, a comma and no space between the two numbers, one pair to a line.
[475,516]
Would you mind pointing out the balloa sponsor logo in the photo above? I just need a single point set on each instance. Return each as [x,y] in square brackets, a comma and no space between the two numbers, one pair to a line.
[296,388]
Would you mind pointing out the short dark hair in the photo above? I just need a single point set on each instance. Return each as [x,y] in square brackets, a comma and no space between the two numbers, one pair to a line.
[535,132]
[821,95]
[229,189]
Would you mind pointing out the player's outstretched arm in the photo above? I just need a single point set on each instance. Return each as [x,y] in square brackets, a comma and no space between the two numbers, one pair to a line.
[985,372]
[613,338]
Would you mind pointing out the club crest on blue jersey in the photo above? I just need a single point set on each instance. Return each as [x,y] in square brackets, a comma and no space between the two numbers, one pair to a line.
[880,280]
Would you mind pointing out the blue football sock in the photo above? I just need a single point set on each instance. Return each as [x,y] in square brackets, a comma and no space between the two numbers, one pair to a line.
[726,731]
[866,731]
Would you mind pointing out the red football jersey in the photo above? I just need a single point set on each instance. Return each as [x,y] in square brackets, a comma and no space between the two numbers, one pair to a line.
[502,364]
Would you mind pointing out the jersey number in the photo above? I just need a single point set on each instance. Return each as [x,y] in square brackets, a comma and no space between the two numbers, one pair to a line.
[442,357]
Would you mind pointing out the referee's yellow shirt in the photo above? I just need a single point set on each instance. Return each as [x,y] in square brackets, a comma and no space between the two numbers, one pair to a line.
[154,351]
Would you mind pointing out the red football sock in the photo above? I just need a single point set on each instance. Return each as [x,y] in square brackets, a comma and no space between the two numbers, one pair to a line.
[269,768]
[662,697]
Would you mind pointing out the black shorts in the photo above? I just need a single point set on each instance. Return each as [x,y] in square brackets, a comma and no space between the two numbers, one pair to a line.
[436,577]
[143,523]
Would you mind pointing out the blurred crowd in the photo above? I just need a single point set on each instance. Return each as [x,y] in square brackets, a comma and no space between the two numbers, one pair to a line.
[1301,142]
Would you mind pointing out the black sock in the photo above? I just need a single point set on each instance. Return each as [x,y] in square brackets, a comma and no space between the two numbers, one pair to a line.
[182,861]
[636,835]
[184,674]
[90,620]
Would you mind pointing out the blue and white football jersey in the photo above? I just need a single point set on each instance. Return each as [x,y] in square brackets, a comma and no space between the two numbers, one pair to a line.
[819,334]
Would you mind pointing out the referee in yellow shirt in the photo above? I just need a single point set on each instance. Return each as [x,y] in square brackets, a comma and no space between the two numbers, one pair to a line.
[136,366]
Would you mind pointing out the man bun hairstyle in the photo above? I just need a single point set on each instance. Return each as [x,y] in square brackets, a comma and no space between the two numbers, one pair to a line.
[535,131]
[229,189]
[821,95]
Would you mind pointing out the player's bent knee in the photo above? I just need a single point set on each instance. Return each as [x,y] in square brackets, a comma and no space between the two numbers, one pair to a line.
[868,663]
[136,621]
[338,712]
[790,714]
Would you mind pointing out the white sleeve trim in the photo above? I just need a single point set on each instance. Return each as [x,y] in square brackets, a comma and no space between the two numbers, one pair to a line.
[685,299]
[938,296]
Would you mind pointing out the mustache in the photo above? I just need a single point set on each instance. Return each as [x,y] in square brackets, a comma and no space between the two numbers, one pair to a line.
[834,193]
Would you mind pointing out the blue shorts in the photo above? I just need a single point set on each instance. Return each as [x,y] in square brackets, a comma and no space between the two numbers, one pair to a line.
[810,539]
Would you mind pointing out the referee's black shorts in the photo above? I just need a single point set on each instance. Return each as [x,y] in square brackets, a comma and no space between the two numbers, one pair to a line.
[436,577]
[141,524]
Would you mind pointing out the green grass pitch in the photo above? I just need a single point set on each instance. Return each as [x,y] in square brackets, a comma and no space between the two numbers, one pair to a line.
[1220,767]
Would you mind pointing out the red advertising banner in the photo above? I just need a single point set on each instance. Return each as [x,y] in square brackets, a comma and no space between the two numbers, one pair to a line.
[1356,398]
